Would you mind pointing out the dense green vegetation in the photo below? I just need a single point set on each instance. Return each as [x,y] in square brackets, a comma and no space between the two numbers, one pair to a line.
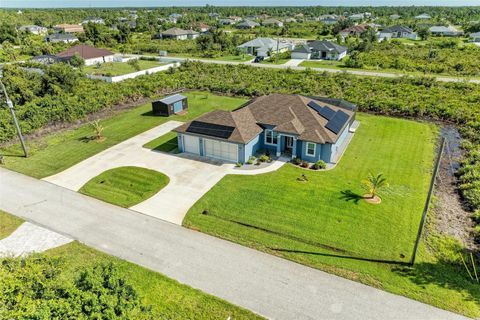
[125,186]
[328,206]
[8,224]
[57,152]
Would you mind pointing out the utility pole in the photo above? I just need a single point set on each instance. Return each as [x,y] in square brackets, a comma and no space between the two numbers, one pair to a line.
[14,116]
[278,49]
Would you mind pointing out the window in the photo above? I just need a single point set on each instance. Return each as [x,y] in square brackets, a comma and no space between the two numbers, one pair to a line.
[311,148]
[271,137]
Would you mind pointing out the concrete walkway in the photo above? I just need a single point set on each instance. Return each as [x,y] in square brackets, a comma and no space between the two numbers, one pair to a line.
[270,286]
[29,238]
[274,166]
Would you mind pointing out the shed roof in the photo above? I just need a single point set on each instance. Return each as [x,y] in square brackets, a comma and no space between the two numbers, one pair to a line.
[84,51]
[172,99]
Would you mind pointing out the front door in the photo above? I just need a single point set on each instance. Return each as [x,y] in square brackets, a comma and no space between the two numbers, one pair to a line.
[288,143]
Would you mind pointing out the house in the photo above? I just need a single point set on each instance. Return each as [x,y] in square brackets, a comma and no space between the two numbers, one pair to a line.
[175,104]
[46,59]
[174,17]
[90,55]
[214,15]
[396,32]
[68,28]
[261,47]
[226,22]
[302,127]
[449,31]
[33,29]
[95,20]
[475,37]
[317,49]
[423,16]
[235,18]
[394,17]
[200,26]
[247,24]
[179,34]
[328,19]
[61,37]
[272,23]
[290,20]
[357,17]
[355,31]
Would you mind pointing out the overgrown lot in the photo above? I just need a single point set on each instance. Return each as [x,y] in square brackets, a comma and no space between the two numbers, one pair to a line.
[327,209]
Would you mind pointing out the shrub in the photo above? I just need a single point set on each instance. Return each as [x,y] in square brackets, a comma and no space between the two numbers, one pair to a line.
[320,164]
[304,164]
[238,165]
[297,161]
[264,158]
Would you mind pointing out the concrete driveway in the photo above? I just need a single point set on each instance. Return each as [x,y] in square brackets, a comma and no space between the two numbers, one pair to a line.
[190,179]
[190,176]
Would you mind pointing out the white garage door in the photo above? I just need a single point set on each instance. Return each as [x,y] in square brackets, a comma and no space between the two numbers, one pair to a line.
[191,144]
[221,150]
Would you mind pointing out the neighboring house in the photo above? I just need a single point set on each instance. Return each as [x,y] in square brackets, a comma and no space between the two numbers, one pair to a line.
[357,17]
[260,47]
[396,32]
[226,22]
[311,129]
[179,34]
[68,28]
[174,17]
[175,104]
[214,15]
[235,18]
[90,55]
[475,37]
[61,37]
[46,59]
[95,20]
[317,49]
[272,22]
[354,30]
[449,31]
[33,29]
[290,20]
[423,16]
[200,26]
[328,19]
[247,24]
[394,17]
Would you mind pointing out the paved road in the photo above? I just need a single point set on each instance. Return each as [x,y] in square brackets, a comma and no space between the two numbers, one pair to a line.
[267,285]
[329,70]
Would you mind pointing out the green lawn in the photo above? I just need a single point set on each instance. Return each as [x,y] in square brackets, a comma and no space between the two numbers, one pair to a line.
[119,68]
[166,143]
[8,224]
[233,58]
[274,61]
[125,186]
[57,152]
[323,223]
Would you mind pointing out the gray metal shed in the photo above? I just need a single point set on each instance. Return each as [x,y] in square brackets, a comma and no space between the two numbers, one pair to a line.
[167,106]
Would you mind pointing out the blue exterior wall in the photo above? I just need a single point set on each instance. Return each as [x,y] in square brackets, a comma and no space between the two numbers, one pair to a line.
[180,142]
[340,141]
[251,148]
[303,155]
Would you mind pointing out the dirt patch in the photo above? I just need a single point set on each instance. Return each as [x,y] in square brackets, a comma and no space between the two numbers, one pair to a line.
[372,200]
[452,216]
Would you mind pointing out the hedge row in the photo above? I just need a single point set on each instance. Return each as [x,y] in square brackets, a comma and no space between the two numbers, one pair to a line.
[457,103]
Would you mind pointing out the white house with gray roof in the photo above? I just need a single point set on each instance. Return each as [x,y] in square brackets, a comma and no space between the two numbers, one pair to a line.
[247,24]
[475,37]
[261,47]
[396,32]
[179,34]
[316,50]
[33,29]
[449,31]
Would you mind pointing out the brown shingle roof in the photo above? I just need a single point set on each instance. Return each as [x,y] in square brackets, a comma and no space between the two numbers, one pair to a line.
[84,51]
[285,113]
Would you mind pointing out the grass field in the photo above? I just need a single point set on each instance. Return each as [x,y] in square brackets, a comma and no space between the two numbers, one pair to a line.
[325,224]
[125,186]
[232,58]
[57,152]
[8,224]
[119,68]
[166,143]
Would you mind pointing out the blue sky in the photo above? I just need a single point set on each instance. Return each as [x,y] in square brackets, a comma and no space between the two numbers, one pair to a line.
[150,3]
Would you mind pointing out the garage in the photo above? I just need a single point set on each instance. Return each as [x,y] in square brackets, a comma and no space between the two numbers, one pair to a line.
[221,150]
[191,144]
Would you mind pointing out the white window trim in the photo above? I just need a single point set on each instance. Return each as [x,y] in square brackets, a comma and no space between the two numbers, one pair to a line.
[265,138]
[314,149]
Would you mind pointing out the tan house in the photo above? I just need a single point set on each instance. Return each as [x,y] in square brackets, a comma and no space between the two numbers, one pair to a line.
[69,28]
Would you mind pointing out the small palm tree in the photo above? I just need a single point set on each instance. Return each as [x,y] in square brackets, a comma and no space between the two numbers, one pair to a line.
[98,129]
[374,183]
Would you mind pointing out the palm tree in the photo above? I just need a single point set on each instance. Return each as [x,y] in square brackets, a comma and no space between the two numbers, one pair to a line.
[98,128]
[374,183]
